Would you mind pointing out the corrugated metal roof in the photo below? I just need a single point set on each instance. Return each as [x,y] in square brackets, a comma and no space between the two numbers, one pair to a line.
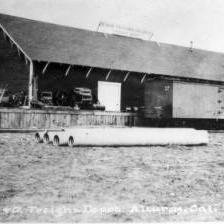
[49,42]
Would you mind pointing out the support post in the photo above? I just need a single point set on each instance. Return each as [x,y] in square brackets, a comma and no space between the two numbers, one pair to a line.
[30,94]
[35,87]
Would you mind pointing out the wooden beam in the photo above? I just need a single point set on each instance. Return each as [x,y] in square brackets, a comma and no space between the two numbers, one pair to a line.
[45,67]
[30,94]
[143,78]
[88,73]
[67,70]
[126,76]
[108,75]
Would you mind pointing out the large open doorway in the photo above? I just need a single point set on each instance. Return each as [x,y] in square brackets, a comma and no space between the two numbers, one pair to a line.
[109,95]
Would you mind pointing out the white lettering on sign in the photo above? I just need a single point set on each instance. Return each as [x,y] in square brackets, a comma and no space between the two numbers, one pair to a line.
[124,31]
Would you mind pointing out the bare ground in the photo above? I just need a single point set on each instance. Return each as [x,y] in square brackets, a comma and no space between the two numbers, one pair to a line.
[43,183]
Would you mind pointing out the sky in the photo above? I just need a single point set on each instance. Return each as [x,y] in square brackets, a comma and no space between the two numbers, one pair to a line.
[171,21]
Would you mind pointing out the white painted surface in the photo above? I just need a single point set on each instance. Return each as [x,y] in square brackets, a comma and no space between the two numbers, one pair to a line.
[195,100]
[111,28]
[109,95]
[106,136]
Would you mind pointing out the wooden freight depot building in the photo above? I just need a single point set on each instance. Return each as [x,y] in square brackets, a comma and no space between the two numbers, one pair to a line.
[37,56]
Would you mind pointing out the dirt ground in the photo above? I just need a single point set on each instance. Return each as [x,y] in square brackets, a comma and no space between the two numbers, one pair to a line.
[43,183]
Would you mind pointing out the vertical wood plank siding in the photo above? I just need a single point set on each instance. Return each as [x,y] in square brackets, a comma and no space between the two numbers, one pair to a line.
[31,119]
